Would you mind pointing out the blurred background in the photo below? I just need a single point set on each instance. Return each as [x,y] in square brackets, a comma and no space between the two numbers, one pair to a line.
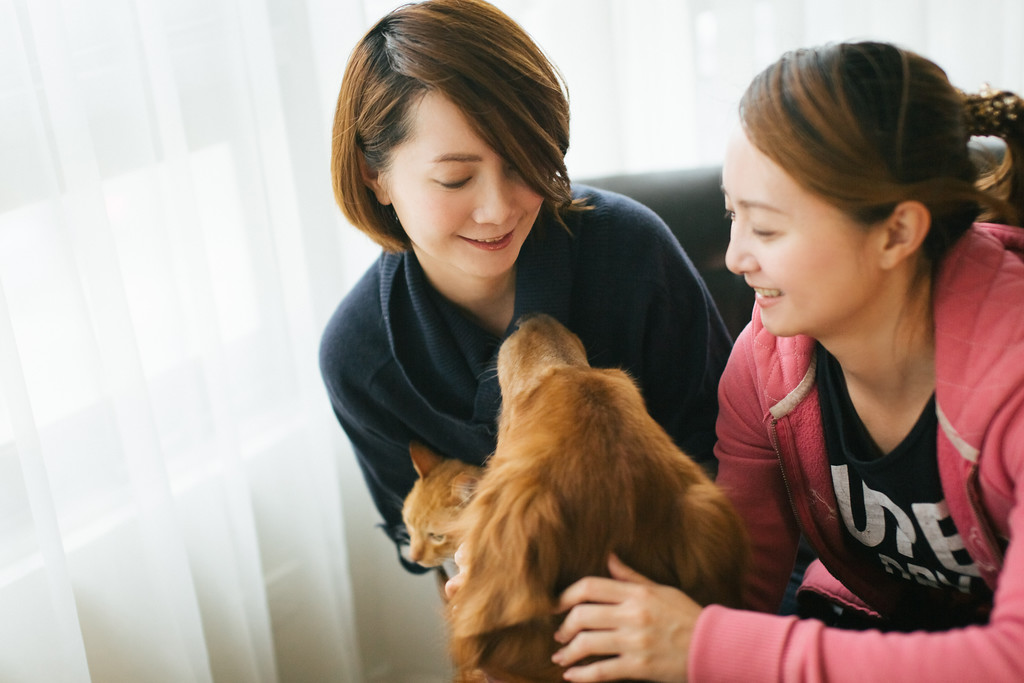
[177,502]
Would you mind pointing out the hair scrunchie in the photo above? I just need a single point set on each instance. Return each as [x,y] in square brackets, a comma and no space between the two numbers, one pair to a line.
[992,112]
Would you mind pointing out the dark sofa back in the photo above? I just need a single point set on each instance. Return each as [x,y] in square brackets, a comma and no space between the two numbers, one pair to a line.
[690,201]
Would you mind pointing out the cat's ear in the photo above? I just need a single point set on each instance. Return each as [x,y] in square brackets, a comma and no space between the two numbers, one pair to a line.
[423,459]
[464,486]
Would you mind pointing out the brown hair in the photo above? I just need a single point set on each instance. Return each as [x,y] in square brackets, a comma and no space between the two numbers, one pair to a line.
[868,125]
[481,60]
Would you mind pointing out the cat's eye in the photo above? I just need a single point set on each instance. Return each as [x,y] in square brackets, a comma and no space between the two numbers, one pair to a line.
[437,538]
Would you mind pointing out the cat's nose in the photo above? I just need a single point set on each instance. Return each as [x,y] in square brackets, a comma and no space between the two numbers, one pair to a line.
[415,552]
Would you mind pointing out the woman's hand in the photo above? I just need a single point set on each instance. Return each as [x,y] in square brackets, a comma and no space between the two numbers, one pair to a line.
[645,628]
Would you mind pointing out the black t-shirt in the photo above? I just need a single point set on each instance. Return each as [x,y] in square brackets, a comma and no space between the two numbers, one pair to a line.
[892,504]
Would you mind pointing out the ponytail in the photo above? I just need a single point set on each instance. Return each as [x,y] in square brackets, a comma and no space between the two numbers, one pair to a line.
[999,114]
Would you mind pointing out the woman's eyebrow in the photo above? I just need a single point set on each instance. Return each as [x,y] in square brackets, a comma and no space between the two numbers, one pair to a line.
[456,157]
[754,204]
[751,203]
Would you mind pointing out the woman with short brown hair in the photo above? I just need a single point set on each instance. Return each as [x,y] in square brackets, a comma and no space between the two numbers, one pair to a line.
[449,142]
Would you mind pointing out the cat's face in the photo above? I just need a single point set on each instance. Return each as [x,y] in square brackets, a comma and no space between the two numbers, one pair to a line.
[431,509]
[429,515]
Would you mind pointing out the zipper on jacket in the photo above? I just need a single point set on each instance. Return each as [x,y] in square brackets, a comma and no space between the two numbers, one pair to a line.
[785,480]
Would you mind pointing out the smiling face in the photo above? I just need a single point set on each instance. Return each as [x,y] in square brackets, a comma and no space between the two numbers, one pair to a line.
[466,211]
[815,270]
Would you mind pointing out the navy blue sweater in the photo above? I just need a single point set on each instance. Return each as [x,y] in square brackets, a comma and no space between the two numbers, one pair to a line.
[400,362]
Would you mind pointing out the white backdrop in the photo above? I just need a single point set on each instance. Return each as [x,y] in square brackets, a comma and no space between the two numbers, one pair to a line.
[176,501]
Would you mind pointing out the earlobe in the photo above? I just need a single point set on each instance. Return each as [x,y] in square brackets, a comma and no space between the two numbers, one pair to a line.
[372,180]
[905,231]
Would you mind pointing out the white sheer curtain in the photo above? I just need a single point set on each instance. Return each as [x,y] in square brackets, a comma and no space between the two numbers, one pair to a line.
[169,503]
[654,83]
[176,501]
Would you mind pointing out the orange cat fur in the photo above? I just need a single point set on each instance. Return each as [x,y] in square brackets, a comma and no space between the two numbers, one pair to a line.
[580,471]
[435,501]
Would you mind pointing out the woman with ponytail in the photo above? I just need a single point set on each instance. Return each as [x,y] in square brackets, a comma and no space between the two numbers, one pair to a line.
[875,403]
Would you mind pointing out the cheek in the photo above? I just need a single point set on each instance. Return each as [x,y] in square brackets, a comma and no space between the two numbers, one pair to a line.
[828,275]
[531,201]
[429,214]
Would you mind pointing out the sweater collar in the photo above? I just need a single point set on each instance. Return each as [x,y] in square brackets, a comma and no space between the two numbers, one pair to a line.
[443,354]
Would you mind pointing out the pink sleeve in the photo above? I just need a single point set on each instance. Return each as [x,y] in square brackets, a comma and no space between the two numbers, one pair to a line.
[734,645]
[749,473]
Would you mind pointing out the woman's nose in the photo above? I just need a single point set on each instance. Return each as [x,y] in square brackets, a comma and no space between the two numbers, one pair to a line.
[738,258]
[494,202]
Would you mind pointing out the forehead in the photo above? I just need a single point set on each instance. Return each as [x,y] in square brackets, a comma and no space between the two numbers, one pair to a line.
[746,170]
[440,132]
[754,182]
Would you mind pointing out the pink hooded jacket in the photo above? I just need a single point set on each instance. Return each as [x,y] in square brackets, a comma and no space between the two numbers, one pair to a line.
[773,464]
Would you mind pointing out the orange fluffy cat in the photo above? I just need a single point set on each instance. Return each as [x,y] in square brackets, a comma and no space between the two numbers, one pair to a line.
[580,471]
[434,503]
